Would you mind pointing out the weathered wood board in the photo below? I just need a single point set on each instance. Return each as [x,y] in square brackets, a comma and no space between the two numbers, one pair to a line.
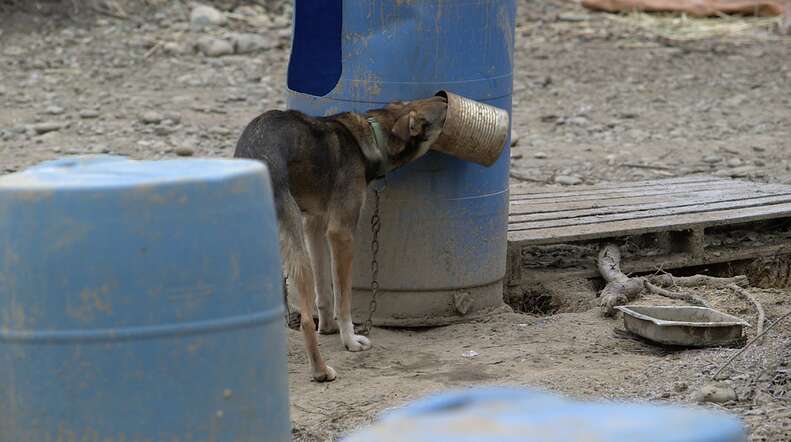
[676,222]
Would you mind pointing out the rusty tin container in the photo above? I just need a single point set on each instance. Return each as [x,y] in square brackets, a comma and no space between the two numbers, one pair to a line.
[473,131]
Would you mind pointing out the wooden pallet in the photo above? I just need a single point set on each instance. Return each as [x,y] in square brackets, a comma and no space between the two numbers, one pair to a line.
[671,223]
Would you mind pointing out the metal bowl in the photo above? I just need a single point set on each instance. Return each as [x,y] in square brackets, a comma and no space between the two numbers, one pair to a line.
[686,326]
[473,131]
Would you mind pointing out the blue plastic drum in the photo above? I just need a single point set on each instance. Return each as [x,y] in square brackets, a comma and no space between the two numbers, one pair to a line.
[141,301]
[443,239]
[517,415]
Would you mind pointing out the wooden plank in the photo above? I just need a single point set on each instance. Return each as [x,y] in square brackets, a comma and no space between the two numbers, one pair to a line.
[624,188]
[554,235]
[716,255]
[523,208]
[647,191]
[688,199]
[537,190]
[638,216]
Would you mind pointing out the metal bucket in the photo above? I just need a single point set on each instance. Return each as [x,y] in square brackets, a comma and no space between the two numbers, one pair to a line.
[473,131]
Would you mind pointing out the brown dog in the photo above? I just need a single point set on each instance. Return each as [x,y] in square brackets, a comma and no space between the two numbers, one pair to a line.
[320,168]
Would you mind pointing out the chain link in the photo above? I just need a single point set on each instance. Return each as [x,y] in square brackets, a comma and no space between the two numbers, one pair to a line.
[376,225]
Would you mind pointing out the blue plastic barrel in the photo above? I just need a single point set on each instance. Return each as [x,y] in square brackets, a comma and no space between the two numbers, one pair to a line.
[443,237]
[141,301]
[521,415]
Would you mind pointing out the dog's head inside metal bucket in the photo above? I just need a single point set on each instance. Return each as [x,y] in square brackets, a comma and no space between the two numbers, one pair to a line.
[473,131]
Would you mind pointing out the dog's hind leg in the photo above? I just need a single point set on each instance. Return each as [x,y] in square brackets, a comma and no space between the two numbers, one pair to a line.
[297,261]
[316,233]
[340,233]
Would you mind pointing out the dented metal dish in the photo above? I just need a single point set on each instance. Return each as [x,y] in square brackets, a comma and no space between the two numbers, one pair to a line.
[687,326]
[473,131]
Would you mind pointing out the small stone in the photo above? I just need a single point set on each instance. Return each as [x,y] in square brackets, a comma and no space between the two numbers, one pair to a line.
[514,138]
[573,18]
[248,42]
[717,393]
[89,114]
[759,148]
[577,121]
[47,126]
[470,354]
[759,163]
[741,171]
[184,151]
[151,117]
[174,48]
[539,155]
[711,159]
[219,130]
[54,110]
[214,47]
[204,16]
[680,387]
[227,393]
[568,180]
[735,162]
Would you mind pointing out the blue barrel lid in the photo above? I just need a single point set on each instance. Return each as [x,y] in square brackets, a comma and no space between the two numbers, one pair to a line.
[505,415]
[115,171]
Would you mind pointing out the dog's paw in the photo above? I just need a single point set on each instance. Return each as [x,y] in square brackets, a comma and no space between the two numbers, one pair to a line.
[357,343]
[328,327]
[326,375]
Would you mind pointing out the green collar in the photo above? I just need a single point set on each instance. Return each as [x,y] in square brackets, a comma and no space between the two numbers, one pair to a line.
[376,154]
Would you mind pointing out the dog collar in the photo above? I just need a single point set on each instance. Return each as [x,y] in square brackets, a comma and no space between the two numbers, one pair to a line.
[376,154]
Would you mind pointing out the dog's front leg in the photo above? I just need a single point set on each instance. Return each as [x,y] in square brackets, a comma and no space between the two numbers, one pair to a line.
[341,241]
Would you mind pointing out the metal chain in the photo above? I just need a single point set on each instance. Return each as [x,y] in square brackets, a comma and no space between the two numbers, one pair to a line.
[376,225]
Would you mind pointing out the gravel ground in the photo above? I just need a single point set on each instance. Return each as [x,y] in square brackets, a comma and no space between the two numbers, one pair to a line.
[597,98]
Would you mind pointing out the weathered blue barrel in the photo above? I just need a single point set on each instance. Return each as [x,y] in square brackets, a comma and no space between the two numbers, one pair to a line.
[443,237]
[141,301]
[520,415]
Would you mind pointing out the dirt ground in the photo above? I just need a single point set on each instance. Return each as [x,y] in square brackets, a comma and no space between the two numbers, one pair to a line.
[597,98]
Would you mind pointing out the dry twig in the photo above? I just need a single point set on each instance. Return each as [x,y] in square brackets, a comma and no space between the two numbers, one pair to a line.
[758,336]
[759,327]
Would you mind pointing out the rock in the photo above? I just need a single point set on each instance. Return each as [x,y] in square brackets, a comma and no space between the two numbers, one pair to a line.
[219,130]
[742,171]
[568,180]
[203,17]
[717,393]
[514,138]
[759,148]
[47,126]
[214,47]
[54,110]
[735,162]
[759,163]
[151,117]
[174,48]
[248,42]
[573,18]
[539,155]
[711,159]
[680,387]
[516,155]
[89,113]
[577,121]
[184,151]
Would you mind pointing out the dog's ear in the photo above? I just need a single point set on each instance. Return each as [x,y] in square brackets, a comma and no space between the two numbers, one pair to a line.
[406,127]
